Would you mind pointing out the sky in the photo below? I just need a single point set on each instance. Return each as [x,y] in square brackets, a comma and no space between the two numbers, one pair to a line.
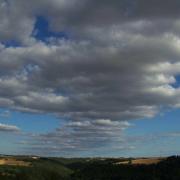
[88,78]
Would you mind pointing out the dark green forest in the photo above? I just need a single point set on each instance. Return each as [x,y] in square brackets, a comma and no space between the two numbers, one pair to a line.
[91,169]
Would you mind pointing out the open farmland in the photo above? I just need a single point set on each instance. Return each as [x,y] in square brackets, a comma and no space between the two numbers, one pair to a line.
[13,162]
[142,161]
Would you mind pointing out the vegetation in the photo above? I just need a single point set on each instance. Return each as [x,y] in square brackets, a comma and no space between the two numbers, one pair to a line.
[90,169]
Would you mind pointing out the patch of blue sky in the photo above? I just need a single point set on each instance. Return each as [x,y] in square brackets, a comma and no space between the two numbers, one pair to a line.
[43,32]
[163,123]
[32,123]
[11,43]
[177,83]
[11,143]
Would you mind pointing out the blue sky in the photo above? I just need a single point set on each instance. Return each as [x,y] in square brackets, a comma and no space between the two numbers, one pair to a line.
[89,78]
[158,133]
[42,30]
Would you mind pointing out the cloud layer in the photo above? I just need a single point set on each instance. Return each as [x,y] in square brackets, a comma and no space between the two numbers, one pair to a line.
[78,137]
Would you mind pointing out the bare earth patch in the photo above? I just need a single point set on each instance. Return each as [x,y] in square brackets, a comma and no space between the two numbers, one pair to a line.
[13,162]
[142,161]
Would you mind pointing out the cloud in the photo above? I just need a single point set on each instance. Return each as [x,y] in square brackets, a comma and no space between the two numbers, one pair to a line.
[8,128]
[112,84]
[5,114]
[15,25]
[83,14]
[75,137]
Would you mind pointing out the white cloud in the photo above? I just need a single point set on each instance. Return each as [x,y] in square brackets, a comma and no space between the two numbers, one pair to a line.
[8,128]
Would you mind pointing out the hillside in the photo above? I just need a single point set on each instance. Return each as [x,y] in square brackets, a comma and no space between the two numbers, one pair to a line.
[33,168]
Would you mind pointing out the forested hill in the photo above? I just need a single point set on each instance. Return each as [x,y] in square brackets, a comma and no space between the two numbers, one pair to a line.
[168,169]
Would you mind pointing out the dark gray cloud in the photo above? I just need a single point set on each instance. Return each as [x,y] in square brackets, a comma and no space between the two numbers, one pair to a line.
[18,16]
